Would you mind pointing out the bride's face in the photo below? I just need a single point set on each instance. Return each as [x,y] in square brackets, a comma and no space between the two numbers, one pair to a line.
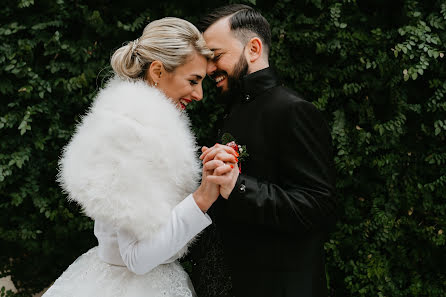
[184,84]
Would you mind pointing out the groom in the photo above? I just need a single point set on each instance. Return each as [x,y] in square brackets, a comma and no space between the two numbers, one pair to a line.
[274,217]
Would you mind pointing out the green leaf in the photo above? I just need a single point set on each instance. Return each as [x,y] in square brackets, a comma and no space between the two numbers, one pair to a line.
[9,67]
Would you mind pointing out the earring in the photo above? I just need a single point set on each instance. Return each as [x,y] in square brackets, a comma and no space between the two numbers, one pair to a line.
[156,84]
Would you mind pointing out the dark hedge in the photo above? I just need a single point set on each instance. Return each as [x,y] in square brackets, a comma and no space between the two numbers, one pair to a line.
[374,68]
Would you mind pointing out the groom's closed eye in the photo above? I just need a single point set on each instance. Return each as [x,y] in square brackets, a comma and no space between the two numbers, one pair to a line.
[216,57]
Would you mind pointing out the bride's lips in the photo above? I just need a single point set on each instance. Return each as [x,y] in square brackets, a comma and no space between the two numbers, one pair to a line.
[184,102]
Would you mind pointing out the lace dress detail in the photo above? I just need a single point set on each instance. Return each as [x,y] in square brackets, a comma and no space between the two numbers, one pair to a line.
[88,276]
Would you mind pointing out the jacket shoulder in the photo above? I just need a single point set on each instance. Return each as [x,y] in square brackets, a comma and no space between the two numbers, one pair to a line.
[286,100]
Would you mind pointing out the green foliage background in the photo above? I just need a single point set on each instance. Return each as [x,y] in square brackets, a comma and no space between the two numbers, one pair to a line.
[375,68]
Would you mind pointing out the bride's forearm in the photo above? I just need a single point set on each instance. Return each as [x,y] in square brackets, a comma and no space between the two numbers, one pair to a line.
[185,222]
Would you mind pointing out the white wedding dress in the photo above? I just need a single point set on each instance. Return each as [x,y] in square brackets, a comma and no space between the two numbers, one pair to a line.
[90,276]
[122,266]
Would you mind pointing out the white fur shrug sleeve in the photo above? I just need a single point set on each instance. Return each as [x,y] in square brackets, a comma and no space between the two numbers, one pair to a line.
[131,159]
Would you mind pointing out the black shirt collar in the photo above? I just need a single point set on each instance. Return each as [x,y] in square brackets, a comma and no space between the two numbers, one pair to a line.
[257,82]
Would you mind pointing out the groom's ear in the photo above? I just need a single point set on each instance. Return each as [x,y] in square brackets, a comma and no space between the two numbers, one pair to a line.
[254,49]
[154,72]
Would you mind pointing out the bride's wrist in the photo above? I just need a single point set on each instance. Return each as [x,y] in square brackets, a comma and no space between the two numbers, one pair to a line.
[201,200]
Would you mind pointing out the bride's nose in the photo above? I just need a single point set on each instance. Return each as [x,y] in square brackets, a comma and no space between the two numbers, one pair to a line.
[197,93]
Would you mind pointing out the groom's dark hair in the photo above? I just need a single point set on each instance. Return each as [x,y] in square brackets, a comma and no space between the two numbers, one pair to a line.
[245,22]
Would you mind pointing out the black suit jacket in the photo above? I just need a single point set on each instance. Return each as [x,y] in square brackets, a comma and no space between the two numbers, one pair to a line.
[275,222]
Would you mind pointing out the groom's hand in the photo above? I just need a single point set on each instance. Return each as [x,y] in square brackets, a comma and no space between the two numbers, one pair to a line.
[219,152]
[226,154]
[207,193]
[226,181]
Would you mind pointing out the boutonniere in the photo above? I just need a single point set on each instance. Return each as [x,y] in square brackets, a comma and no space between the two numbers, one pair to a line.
[230,141]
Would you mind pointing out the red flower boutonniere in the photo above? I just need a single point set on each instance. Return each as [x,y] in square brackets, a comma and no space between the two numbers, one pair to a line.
[229,140]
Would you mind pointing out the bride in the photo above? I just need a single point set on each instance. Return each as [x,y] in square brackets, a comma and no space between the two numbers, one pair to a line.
[132,166]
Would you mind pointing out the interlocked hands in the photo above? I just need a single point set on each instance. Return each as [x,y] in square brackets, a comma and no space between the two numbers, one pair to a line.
[220,173]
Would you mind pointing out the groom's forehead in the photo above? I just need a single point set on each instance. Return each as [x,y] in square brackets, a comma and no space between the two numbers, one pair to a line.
[216,41]
[219,29]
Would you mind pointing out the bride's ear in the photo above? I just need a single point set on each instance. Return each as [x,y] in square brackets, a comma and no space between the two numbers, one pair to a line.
[153,74]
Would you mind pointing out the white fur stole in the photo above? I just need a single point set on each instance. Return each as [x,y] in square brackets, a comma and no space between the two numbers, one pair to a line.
[132,158]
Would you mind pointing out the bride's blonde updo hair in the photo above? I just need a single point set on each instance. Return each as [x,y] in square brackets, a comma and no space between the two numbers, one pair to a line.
[169,40]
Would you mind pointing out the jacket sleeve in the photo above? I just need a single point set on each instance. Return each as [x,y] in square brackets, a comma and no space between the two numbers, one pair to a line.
[164,246]
[304,198]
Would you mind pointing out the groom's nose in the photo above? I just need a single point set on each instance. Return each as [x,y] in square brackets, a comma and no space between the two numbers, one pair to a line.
[211,67]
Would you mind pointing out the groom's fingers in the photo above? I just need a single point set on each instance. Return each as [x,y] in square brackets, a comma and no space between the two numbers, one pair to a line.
[217,179]
[205,152]
[221,170]
[225,157]
[226,181]
[217,167]
[223,179]
[223,153]
[214,150]
[214,164]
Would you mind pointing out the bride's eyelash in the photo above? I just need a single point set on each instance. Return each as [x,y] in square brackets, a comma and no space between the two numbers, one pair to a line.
[193,82]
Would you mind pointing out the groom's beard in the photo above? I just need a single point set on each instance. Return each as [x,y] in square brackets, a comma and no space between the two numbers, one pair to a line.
[235,82]
[240,70]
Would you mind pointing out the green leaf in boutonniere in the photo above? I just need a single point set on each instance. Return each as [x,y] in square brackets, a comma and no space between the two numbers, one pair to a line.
[229,140]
